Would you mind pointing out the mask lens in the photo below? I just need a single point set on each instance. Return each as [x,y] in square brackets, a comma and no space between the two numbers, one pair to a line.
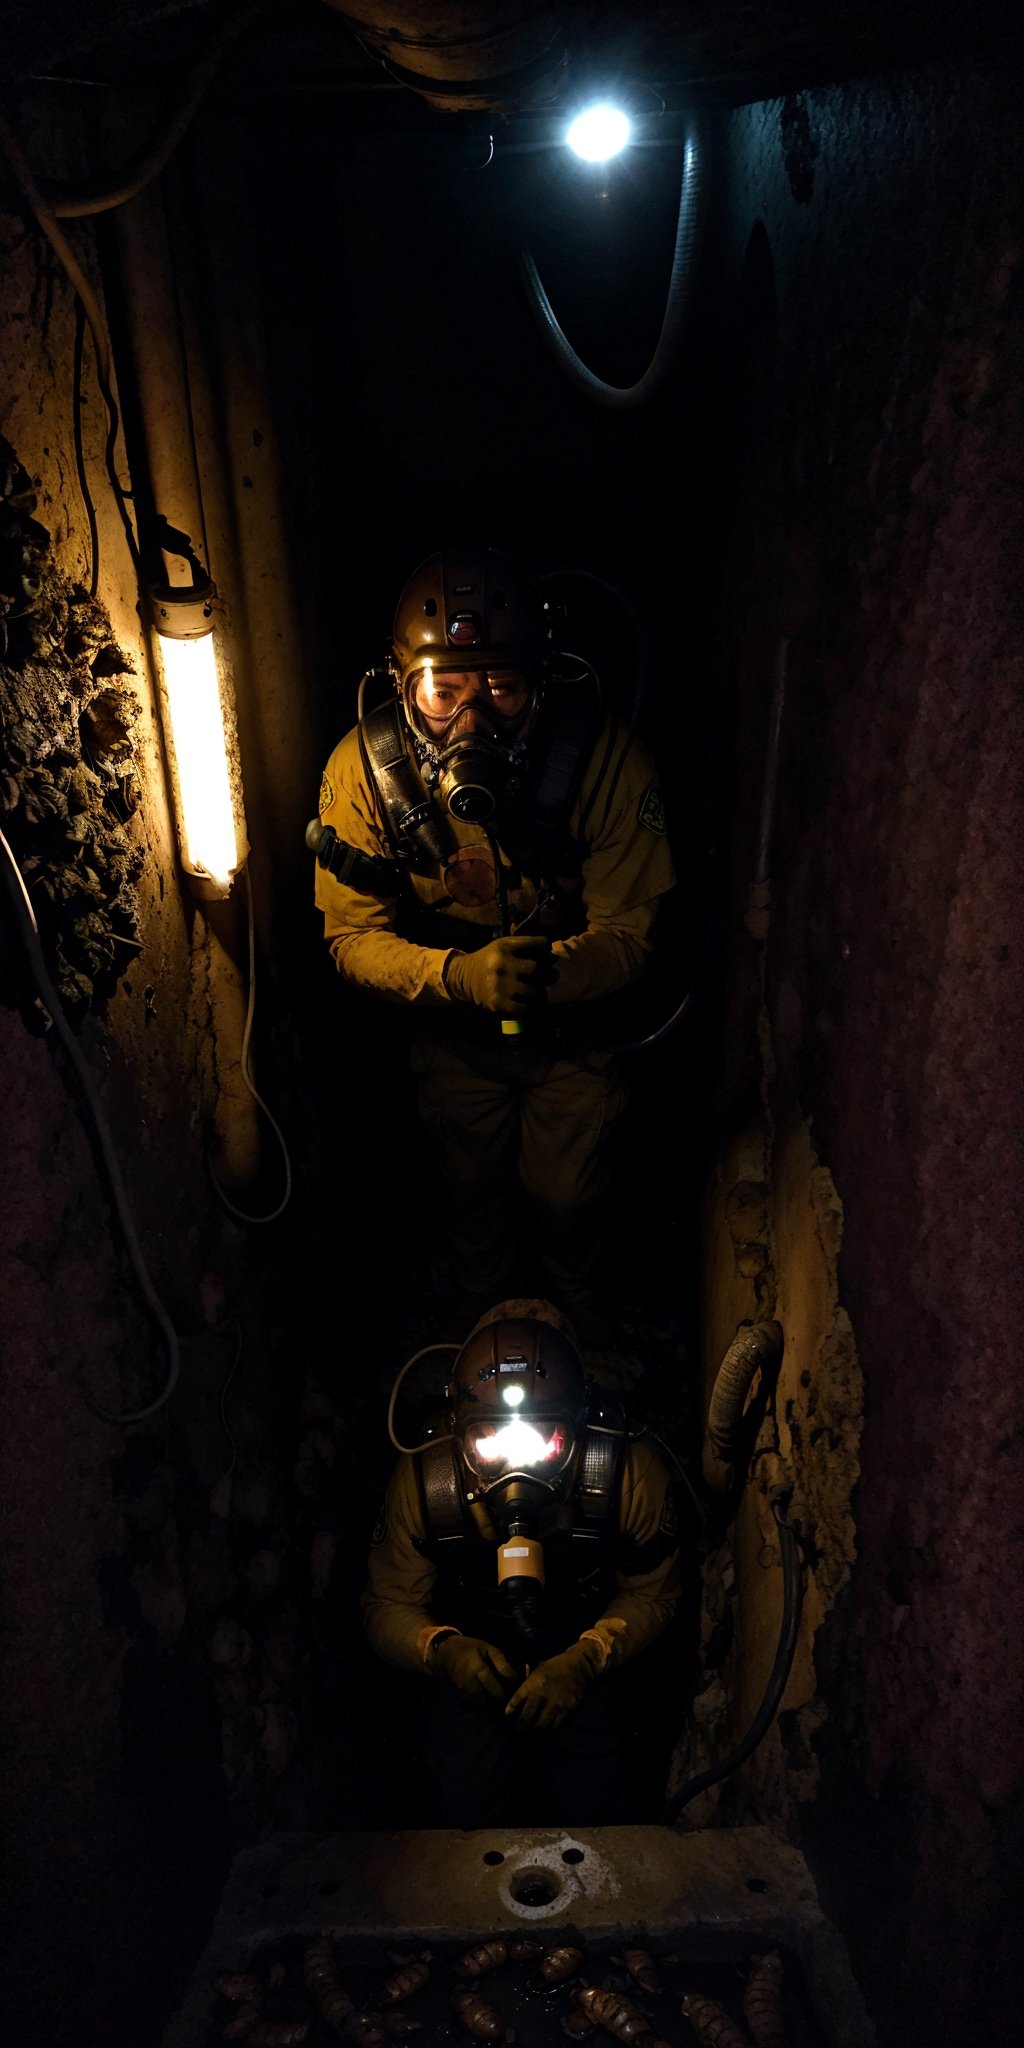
[509,690]
[517,1445]
[435,696]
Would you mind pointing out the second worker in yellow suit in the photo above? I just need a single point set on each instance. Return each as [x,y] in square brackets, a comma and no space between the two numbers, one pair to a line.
[491,851]
[523,1565]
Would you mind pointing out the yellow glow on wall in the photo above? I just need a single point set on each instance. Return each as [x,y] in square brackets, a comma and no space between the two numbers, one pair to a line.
[210,841]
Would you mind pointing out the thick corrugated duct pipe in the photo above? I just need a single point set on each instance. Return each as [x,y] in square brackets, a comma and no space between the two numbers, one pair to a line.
[754,1345]
[677,304]
[463,57]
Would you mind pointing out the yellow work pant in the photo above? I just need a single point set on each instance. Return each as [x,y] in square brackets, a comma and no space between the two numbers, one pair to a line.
[511,1111]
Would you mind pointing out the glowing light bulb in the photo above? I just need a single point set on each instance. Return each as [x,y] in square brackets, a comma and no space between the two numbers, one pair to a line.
[209,837]
[599,132]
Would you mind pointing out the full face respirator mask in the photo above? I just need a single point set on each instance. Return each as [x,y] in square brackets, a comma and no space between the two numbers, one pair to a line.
[517,1410]
[470,646]
[469,730]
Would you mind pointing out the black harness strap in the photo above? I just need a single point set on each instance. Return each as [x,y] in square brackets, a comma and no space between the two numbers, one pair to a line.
[412,821]
[371,873]
[560,748]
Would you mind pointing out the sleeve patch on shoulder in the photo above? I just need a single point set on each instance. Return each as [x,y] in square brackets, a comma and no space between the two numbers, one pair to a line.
[652,810]
[380,1527]
[326,794]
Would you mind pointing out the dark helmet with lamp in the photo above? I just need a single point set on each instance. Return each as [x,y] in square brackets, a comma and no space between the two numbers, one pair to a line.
[470,645]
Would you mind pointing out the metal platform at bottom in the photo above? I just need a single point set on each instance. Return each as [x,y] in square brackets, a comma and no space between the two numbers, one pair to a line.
[702,1895]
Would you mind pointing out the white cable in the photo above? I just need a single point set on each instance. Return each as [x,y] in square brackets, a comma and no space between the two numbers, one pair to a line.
[246,1072]
[51,1000]
[411,1449]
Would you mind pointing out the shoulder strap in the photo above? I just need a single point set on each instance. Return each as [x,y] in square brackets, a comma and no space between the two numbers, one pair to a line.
[413,827]
[570,719]
[440,1492]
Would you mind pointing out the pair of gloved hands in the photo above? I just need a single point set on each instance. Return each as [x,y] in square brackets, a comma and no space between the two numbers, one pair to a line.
[508,976]
[553,1690]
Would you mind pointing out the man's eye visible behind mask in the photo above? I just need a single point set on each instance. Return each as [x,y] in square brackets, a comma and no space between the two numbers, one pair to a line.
[437,697]
[510,692]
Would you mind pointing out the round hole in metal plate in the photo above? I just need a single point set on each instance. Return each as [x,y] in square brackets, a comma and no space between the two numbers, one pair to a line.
[572,1855]
[534,1886]
[494,1856]
[757,1884]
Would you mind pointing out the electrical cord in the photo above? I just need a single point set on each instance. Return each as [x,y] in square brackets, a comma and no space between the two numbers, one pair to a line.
[47,222]
[411,1449]
[245,1066]
[70,207]
[83,480]
[30,932]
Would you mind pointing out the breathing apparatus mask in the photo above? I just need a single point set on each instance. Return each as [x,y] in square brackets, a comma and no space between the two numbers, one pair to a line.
[469,649]
[517,1412]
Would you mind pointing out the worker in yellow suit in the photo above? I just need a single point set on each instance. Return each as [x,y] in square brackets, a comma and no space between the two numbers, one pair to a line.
[492,852]
[522,1564]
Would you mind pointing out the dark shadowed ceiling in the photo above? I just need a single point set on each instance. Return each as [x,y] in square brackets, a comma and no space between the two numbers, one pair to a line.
[716,51]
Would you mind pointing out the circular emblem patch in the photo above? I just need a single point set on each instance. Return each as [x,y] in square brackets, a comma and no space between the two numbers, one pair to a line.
[326,794]
[652,810]
[470,876]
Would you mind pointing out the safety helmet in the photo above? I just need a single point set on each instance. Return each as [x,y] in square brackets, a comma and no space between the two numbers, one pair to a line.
[469,648]
[518,1405]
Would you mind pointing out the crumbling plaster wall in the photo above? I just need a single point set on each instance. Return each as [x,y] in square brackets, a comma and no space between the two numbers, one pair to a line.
[143,1723]
[874,1017]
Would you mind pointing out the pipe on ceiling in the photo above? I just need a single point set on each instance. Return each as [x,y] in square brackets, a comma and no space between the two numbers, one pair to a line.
[490,56]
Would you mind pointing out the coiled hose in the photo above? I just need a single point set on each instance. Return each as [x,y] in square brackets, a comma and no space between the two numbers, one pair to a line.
[689,224]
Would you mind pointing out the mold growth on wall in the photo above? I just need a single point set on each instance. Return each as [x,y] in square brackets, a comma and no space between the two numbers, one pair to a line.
[68,783]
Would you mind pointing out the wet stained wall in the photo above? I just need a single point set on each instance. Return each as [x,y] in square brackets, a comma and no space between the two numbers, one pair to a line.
[874,231]
[834,1140]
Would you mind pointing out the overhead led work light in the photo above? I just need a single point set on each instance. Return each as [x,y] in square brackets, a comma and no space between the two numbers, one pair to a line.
[599,132]
[212,848]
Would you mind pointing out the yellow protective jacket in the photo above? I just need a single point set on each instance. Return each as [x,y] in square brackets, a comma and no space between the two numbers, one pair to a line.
[400,1605]
[624,867]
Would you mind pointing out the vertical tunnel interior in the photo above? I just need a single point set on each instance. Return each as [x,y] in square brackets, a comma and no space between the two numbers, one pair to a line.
[259,284]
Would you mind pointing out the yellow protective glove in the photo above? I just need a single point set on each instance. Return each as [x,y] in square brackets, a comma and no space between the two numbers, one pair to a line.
[509,976]
[477,1668]
[556,1688]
